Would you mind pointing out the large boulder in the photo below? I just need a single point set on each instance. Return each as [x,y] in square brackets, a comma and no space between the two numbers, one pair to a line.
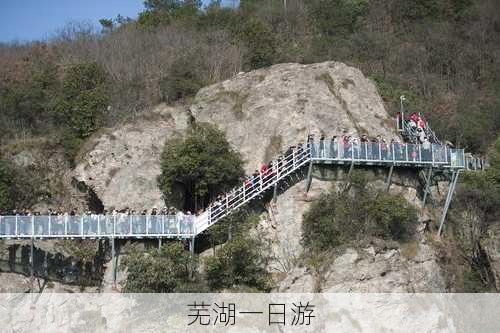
[265,111]
[121,164]
[410,268]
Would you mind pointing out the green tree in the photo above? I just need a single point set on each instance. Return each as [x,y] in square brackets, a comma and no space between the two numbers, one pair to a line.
[82,104]
[238,263]
[27,104]
[7,201]
[201,165]
[160,271]
[341,217]
[337,17]
[107,25]
[183,79]
[160,12]
[17,187]
[260,42]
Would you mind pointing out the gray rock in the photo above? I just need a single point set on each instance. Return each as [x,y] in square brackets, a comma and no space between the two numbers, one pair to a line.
[366,271]
[267,110]
[121,164]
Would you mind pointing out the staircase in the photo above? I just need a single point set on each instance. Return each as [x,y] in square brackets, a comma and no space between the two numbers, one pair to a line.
[410,134]
[280,170]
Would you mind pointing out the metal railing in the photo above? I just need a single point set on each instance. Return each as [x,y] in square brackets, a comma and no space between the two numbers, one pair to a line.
[186,226]
[254,187]
[394,153]
[97,226]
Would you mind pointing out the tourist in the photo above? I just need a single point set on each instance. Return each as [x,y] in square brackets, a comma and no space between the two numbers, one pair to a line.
[322,146]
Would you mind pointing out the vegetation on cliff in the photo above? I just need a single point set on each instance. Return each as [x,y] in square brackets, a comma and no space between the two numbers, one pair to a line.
[357,212]
[442,54]
[200,166]
[473,217]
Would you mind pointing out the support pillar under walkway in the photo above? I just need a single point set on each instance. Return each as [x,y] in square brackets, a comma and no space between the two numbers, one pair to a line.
[388,181]
[309,176]
[449,197]
[113,261]
[427,185]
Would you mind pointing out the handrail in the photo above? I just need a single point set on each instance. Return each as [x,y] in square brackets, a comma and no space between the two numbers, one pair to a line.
[186,226]
[97,226]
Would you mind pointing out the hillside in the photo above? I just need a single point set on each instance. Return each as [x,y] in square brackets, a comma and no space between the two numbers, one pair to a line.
[175,107]
[262,112]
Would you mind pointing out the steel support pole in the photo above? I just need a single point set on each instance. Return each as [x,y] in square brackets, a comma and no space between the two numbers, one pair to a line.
[113,261]
[389,178]
[449,197]
[191,245]
[32,262]
[159,243]
[309,177]
[427,185]
[275,193]
[351,168]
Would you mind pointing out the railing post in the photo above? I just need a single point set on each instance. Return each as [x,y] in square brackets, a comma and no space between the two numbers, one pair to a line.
[446,154]
[261,181]
[209,218]
[432,154]
[163,224]
[32,226]
[379,151]
[178,225]
[130,224]
[419,152]
[99,225]
[50,225]
[81,225]
[114,226]
[147,224]
[366,151]
[15,227]
[406,152]
[65,225]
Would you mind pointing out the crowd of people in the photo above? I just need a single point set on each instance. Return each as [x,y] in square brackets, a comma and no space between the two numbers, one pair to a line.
[338,146]
[125,221]
[74,212]
[418,128]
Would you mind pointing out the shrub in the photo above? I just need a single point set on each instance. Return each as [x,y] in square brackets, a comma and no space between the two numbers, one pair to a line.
[81,105]
[238,263]
[17,187]
[182,80]
[201,165]
[340,217]
[162,271]
[259,40]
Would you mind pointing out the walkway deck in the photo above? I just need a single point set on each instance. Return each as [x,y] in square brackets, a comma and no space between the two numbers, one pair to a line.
[187,227]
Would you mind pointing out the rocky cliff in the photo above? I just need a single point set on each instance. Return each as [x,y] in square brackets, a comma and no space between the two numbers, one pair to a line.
[121,164]
[263,112]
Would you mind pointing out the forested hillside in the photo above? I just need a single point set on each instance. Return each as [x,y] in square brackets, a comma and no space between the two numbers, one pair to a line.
[443,55]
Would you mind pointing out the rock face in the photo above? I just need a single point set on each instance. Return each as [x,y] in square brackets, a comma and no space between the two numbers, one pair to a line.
[412,268]
[122,164]
[281,227]
[52,175]
[262,112]
[265,111]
